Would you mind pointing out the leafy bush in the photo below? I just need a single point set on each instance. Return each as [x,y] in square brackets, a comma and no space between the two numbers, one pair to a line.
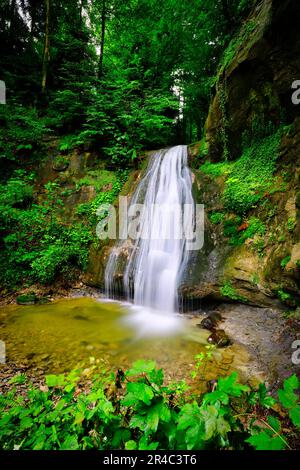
[69,248]
[35,244]
[135,410]
[21,129]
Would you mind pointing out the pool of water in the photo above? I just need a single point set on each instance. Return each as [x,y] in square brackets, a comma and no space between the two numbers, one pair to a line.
[63,334]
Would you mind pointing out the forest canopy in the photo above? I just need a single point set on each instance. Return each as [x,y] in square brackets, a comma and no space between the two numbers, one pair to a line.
[110,74]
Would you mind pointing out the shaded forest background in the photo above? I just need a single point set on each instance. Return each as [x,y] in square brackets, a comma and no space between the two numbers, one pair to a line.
[120,75]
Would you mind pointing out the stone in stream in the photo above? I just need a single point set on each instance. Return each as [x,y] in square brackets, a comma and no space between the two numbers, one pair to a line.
[219,338]
[210,321]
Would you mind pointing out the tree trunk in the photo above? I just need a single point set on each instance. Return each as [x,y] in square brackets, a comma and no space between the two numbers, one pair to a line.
[103,21]
[80,12]
[46,48]
[12,19]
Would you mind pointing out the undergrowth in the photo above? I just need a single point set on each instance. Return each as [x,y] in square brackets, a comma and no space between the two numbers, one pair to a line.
[136,410]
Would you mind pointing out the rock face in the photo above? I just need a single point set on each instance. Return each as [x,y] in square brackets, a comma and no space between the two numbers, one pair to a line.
[256,76]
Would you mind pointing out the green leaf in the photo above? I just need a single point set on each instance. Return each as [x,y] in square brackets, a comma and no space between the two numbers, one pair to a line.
[230,386]
[216,396]
[26,423]
[288,399]
[55,380]
[295,416]
[264,441]
[70,443]
[138,421]
[264,399]
[120,436]
[209,415]
[144,445]
[138,392]
[274,423]
[79,417]
[141,367]
[130,445]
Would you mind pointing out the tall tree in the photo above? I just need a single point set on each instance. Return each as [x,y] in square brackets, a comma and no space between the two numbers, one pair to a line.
[46,47]
[102,40]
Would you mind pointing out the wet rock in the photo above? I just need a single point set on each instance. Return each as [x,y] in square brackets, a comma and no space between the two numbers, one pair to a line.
[219,338]
[210,321]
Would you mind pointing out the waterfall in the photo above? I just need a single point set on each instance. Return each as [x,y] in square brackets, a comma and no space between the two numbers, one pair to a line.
[158,257]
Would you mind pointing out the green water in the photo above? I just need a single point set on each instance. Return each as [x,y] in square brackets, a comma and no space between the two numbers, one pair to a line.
[61,335]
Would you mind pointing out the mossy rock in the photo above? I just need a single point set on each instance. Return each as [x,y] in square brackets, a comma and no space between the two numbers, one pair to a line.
[26,299]
[60,163]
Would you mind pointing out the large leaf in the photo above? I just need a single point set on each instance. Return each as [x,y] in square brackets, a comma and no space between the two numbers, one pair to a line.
[231,386]
[141,367]
[287,397]
[263,441]
[138,392]
[55,380]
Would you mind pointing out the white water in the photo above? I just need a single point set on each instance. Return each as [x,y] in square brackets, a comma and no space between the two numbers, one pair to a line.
[158,260]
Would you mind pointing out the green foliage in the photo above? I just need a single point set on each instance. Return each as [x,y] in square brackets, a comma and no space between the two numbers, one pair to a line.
[238,237]
[104,197]
[236,42]
[36,245]
[21,130]
[291,224]
[216,169]
[99,179]
[58,254]
[251,176]
[142,413]
[227,290]
[216,217]
[283,296]
[285,261]
[60,163]
[26,299]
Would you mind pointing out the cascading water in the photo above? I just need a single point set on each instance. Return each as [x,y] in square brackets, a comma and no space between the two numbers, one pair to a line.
[158,257]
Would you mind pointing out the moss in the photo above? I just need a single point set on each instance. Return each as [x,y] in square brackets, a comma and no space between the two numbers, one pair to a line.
[60,163]
[97,178]
[216,217]
[291,224]
[26,299]
[285,261]
[235,43]
[283,296]
[227,290]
